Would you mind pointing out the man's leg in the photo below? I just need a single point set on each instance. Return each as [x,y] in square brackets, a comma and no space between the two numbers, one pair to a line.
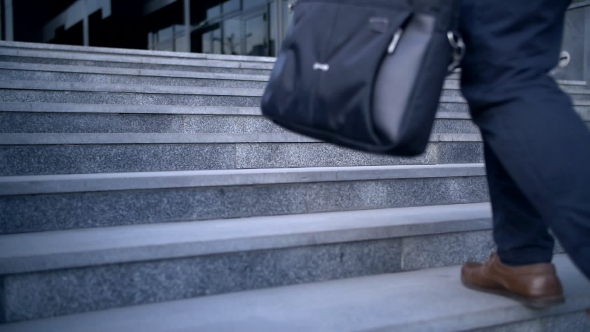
[520,234]
[538,148]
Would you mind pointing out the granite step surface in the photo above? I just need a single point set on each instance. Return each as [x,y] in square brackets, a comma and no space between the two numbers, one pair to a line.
[45,154]
[133,61]
[95,93]
[87,74]
[577,93]
[166,119]
[43,117]
[101,93]
[117,199]
[130,52]
[417,301]
[102,268]
[452,117]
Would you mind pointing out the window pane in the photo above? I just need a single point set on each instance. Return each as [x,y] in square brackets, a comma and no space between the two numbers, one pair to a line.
[232,36]
[165,34]
[256,36]
[231,6]
[274,26]
[214,12]
[181,45]
[216,41]
[206,40]
[253,3]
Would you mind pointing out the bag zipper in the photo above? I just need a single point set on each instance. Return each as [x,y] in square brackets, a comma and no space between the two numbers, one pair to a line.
[396,38]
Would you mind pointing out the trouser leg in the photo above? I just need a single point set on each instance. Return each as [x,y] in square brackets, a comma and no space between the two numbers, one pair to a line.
[527,122]
[519,232]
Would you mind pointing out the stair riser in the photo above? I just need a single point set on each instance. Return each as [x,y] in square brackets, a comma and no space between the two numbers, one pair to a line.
[572,93]
[24,122]
[161,123]
[55,75]
[174,98]
[35,96]
[84,159]
[127,79]
[90,63]
[573,321]
[30,213]
[63,292]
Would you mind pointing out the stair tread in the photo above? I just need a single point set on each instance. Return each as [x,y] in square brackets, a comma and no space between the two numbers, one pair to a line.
[162,89]
[124,51]
[68,183]
[30,252]
[425,300]
[41,67]
[183,138]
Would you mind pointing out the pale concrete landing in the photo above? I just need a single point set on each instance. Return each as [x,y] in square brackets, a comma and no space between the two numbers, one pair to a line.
[427,300]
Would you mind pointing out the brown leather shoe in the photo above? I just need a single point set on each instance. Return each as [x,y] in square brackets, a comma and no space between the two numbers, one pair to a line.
[535,285]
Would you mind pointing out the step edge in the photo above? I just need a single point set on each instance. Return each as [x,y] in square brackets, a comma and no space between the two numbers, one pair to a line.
[469,310]
[166,89]
[123,51]
[29,107]
[123,71]
[76,183]
[26,139]
[55,86]
[135,59]
[247,234]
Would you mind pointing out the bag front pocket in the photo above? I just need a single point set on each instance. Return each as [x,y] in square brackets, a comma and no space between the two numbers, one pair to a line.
[324,76]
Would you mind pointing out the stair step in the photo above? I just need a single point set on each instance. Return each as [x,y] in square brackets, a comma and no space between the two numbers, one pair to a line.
[575,93]
[202,120]
[98,200]
[133,61]
[86,74]
[89,93]
[426,300]
[219,256]
[63,122]
[452,117]
[448,105]
[44,154]
[53,92]
[106,75]
[124,52]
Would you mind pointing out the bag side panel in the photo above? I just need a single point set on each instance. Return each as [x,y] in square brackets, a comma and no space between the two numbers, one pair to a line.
[396,80]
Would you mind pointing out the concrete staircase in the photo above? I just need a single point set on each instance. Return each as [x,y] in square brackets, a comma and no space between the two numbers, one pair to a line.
[143,191]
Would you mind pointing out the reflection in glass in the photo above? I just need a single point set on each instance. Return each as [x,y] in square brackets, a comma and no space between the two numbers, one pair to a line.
[216,37]
[206,39]
[214,12]
[274,24]
[253,3]
[231,6]
[232,36]
[256,36]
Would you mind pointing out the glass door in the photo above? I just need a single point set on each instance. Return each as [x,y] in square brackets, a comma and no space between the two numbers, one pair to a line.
[256,34]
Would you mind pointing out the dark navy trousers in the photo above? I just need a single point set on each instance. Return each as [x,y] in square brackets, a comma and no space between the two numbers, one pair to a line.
[537,149]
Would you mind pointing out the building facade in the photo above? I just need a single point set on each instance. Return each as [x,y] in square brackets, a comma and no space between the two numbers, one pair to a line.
[241,27]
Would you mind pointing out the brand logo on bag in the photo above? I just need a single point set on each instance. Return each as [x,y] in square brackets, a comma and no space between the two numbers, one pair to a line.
[379,24]
[321,66]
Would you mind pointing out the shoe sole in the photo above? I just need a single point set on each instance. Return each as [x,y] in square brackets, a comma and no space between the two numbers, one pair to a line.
[535,303]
